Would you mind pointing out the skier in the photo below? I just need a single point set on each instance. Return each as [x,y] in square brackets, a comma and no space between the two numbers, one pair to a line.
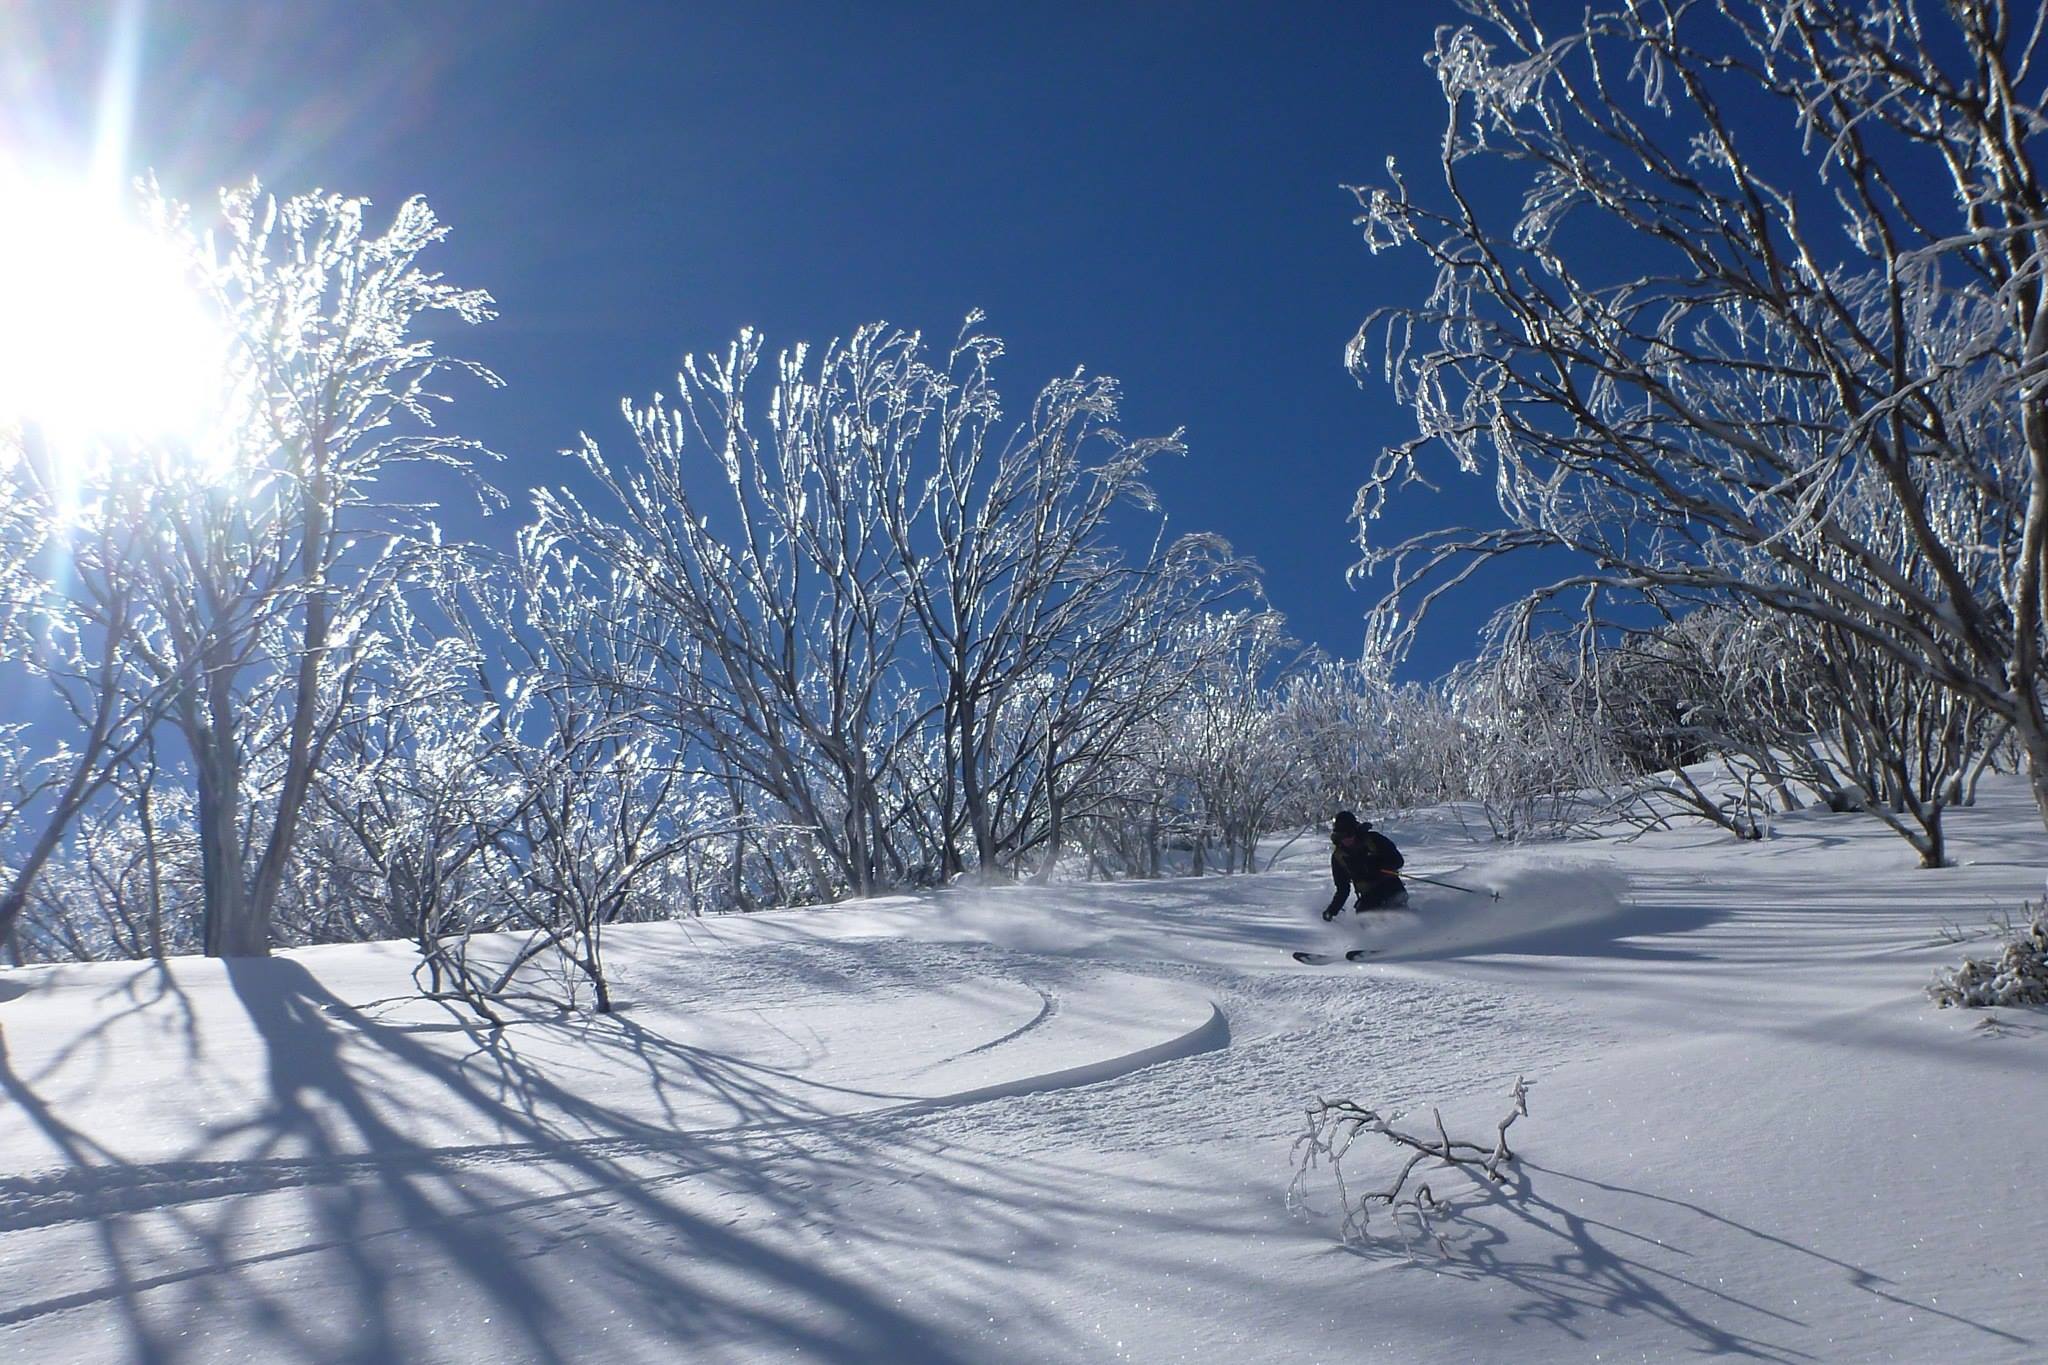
[1364,860]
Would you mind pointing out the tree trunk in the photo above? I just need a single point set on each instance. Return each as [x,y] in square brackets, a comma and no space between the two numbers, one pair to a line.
[1053,807]
[1936,852]
[971,793]
[951,864]
[2023,670]
[299,757]
[2035,743]
[232,928]
[860,858]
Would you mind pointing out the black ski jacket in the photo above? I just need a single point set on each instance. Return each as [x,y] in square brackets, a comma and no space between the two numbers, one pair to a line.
[1365,856]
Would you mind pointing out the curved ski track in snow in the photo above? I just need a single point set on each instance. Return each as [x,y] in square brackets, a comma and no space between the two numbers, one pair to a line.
[1046,1010]
[74,1194]
[1276,1026]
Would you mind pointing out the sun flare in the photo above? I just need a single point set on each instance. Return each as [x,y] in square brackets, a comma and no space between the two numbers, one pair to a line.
[105,339]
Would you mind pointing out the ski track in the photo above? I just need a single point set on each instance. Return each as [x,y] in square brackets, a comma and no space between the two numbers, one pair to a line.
[1277,1040]
[1293,1036]
[1049,1006]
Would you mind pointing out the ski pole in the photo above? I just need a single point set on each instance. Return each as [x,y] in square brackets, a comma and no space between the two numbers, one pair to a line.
[1437,881]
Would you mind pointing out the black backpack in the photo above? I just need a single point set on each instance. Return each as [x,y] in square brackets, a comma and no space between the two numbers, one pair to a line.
[1380,851]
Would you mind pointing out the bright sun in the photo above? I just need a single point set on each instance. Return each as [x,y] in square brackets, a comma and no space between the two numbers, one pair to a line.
[104,340]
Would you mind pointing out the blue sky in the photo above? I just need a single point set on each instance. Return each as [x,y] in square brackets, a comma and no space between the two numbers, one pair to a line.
[1151,190]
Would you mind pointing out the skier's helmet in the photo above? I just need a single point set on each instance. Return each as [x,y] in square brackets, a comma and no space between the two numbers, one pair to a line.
[1346,823]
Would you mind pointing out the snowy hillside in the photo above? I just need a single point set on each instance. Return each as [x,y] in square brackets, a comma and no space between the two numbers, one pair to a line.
[1055,1124]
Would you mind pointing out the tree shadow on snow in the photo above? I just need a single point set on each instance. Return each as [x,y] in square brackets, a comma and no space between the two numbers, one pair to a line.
[326,1227]
[1603,1269]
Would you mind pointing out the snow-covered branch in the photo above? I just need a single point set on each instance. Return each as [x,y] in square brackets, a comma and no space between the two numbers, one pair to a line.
[1335,1125]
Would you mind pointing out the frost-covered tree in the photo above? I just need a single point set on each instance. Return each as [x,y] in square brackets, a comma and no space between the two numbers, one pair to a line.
[1533,754]
[411,828]
[73,617]
[1718,687]
[1077,746]
[1337,716]
[770,610]
[125,882]
[269,564]
[614,805]
[1008,561]
[1783,701]
[893,627]
[1701,271]
[234,584]
[1229,743]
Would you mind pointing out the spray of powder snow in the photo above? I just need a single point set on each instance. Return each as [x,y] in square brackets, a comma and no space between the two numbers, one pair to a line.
[1546,908]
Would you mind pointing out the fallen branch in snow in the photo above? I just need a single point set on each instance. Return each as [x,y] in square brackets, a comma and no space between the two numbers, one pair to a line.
[2017,976]
[1953,933]
[1333,1125]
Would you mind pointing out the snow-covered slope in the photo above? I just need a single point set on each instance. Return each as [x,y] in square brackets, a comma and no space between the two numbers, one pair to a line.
[1055,1124]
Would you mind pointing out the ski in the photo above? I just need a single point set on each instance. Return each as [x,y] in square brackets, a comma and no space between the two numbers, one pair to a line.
[1325,959]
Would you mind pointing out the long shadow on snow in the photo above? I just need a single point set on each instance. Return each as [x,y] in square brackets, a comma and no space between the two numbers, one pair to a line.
[1571,1289]
[1593,1275]
[85,1154]
[370,1191]
[1866,1280]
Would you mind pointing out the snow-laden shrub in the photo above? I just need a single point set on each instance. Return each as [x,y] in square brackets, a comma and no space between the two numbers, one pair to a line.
[2018,975]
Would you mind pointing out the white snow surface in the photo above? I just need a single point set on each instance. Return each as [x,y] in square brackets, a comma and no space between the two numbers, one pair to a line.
[1033,1124]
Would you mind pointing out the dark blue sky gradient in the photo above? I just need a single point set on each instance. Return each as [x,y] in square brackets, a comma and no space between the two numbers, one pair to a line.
[1153,191]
